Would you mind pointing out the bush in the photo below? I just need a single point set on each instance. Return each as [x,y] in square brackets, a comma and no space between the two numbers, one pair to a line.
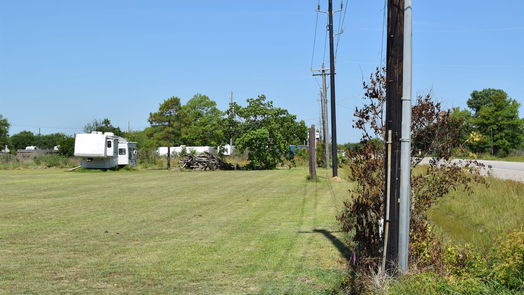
[9,161]
[57,161]
[471,272]
[507,262]
[148,158]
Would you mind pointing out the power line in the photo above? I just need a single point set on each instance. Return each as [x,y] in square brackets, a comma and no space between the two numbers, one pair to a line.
[314,41]
[47,127]
[341,25]
[382,40]
[325,47]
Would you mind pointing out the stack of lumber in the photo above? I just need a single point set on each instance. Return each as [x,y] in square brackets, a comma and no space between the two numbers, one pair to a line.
[205,161]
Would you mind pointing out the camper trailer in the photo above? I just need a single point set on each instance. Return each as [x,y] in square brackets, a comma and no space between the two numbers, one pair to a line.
[101,150]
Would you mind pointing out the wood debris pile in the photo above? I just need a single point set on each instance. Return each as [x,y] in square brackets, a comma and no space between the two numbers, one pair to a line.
[205,161]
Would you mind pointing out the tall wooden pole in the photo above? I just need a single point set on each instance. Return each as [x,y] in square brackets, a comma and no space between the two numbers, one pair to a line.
[312,154]
[325,117]
[394,74]
[334,159]
[323,106]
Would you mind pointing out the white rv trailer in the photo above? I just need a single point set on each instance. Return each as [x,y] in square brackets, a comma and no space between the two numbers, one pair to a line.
[100,150]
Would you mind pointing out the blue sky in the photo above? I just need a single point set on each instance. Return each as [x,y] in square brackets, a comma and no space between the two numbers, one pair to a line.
[65,63]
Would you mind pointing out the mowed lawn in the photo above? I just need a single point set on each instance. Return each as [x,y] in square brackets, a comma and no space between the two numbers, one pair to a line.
[159,232]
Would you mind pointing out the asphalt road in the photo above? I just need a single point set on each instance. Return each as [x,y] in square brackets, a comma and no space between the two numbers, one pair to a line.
[505,170]
[500,169]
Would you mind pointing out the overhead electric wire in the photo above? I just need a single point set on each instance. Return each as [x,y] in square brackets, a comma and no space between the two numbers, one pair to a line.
[381,62]
[314,43]
[325,47]
[341,26]
[46,127]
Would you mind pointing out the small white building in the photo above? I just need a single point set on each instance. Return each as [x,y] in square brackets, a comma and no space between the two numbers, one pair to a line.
[100,150]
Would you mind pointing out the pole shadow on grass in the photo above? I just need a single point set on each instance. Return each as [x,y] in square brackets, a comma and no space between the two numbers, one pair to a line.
[341,247]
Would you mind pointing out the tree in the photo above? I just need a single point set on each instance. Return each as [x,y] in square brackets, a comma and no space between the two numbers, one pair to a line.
[4,132]
[66,146]
[103,125]
[22,139]
[265,131]
[496,121]
[201,122]
[48,141]
[463,117]
[481,98]
[165,125]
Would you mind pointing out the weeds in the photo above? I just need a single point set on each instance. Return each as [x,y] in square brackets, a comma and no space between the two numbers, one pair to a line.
[435,134]
[9,162]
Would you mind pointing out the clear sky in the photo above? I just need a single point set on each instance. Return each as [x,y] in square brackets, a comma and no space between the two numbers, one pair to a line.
[65,63]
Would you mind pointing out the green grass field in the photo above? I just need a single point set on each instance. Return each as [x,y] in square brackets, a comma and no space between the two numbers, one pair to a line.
[159,232]
[480,218]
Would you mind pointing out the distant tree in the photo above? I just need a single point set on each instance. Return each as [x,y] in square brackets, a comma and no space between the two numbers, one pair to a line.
[463,116]
[201,122]
[231,122]
[103,125]
[22,139]
[266,132]
[165,125]
[141,138]
[48,141]
[4,132]
[66,146]
[482,98]
[496,122]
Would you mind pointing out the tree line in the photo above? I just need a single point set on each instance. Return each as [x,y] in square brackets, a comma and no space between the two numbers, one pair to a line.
[258,128]
[491,126]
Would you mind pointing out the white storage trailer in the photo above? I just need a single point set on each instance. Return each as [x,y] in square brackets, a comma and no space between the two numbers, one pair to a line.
[100,150]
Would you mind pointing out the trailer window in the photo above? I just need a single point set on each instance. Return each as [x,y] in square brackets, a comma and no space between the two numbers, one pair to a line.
[122,152]
[108,143]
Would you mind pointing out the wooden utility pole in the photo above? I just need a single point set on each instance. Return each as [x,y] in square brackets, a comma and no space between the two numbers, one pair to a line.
[394,74]
[168,157]
[334,159]
[312,154]
[324,111]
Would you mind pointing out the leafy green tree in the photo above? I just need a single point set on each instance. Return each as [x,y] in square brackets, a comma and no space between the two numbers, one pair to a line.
[496,119]
[22,139]
[48,141]
[165,125]
[141,138]
[462,118]
[66,146]
[266,132]
[231,122]
[4,132]
[201,122]
[482,98]
[103,125]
